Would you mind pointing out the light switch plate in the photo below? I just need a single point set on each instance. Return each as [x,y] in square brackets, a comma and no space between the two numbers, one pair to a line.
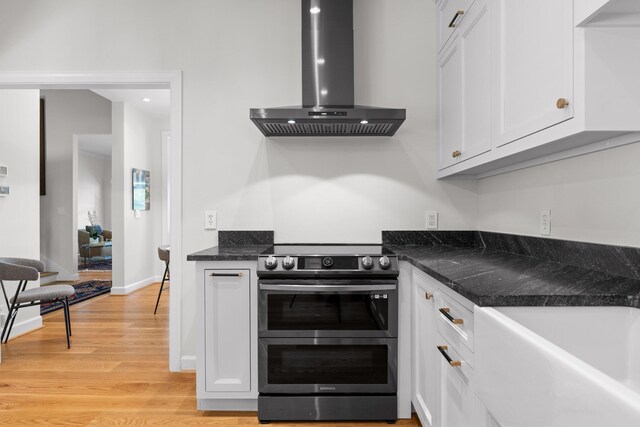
[545,222]
[432,220]
[210,220]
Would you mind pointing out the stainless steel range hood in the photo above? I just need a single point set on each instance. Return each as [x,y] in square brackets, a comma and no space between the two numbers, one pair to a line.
[327,83]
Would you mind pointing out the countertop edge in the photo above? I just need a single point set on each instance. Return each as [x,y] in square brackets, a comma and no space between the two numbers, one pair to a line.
[594,300]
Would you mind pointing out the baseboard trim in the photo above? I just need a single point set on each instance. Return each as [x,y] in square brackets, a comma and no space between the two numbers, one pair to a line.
[25,327]
[188,363]
[134,286]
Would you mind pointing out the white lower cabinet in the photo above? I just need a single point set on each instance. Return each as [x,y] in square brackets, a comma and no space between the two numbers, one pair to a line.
[443,393]
[226,375]
[227,330]
[425,355]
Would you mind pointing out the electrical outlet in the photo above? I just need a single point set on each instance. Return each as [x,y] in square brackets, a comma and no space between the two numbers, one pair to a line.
[432,220]
[210,220]
[545,222]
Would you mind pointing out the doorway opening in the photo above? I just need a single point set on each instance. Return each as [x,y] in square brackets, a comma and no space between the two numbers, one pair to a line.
[168,208]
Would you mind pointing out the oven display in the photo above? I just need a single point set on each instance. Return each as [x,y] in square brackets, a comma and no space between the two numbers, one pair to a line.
[338,263]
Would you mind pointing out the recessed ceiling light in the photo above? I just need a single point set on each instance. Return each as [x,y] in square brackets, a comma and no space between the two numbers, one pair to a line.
[146,99]
[364,122]
[291,122]
[315,10]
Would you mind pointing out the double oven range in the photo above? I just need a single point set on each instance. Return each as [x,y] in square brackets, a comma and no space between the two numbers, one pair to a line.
[327,333]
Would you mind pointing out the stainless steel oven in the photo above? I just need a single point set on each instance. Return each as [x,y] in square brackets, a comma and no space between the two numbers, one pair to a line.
[327,333]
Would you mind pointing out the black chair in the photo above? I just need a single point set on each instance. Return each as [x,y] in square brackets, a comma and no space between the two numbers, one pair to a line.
[23,270]
[163,253]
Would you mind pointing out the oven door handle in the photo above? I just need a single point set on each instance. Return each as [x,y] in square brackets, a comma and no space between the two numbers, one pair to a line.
[327,288]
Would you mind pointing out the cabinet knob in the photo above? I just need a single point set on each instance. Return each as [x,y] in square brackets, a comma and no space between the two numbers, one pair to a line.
[456,153]
[427,295]
[562,103]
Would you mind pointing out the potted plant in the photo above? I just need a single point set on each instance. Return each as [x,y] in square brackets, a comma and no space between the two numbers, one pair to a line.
[94,230]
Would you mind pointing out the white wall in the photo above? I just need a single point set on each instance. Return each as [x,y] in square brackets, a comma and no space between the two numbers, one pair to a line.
[593,198]
[312,189]
[68,113]
[19,212]
[137,143]
[94,188]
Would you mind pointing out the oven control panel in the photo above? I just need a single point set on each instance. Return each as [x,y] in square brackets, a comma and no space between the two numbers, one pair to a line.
[323,264]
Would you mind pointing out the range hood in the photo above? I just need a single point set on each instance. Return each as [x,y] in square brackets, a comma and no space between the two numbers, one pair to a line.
[327,83]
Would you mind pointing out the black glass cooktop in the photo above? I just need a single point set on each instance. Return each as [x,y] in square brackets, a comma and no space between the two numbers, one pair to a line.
[327,250]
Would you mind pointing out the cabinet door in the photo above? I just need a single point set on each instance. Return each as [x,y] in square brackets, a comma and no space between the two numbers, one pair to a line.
[534,63]
[227,330]
[466,89]
[450,104]
[424,352]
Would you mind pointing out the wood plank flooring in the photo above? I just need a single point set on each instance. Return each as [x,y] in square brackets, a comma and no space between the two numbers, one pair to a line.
[116,372]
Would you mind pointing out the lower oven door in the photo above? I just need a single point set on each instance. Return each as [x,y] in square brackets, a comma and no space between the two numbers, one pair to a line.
[327,365]
[328,308]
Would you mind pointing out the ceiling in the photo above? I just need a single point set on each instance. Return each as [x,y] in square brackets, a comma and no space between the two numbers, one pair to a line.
[97,144]
[158,105]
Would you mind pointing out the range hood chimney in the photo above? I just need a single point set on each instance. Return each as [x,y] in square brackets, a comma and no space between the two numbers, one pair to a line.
[327,83]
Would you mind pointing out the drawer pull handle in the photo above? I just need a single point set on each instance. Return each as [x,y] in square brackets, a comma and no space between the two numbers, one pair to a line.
[427,295]
[456,153]
[443,350]
[452,24]
[225,274]
[450,318]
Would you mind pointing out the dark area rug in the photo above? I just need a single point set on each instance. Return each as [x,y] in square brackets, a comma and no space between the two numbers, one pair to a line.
[84,291]
[96,265]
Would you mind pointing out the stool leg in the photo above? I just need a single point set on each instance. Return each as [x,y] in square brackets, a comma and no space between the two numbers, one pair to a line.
[164,276]
[66,322]
[68,315]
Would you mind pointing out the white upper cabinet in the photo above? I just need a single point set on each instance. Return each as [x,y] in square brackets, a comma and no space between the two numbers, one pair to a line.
[534,65]
[465,88]
[528,82]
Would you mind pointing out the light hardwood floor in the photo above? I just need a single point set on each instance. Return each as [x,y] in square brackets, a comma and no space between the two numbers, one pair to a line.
[115,373]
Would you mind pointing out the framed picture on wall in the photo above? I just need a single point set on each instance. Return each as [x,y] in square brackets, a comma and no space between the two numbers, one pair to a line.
[141,190]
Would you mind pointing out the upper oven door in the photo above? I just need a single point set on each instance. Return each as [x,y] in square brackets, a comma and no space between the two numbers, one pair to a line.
[328,308]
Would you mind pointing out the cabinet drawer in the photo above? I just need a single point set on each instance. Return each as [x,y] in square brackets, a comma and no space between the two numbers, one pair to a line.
[464,369]
[450,15]
[455,322]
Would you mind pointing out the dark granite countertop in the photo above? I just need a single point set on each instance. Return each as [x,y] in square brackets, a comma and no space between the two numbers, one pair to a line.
[490,277]
[229,253]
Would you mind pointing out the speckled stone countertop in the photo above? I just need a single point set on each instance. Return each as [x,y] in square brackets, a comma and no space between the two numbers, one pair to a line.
[496,277]
[229,253]
[493,278]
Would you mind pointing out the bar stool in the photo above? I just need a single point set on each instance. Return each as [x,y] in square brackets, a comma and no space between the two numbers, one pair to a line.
[23,270]
[164,254]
